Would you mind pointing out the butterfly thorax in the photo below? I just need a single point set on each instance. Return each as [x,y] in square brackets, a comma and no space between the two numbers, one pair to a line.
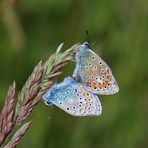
[82,54]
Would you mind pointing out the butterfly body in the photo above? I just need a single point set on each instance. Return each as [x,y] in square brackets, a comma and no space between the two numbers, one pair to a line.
[94,72]
[73,98]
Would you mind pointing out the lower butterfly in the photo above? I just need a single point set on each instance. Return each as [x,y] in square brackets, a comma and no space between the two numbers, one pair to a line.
[73,98]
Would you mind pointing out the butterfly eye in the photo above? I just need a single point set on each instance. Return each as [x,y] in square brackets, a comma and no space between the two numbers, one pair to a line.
[86,44]
[47,102]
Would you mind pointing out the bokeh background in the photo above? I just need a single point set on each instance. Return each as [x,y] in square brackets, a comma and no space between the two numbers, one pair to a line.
[30,30]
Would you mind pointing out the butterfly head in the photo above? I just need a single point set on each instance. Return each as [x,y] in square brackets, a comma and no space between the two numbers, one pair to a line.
[49,95]
[85,45]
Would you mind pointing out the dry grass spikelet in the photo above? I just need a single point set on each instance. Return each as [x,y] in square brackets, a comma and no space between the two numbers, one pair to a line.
[30,95]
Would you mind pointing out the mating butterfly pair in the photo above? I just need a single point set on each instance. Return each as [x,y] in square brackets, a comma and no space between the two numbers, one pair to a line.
[80,99]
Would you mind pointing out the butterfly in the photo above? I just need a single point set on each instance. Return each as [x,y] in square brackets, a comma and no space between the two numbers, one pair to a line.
[73,98]
[94,72]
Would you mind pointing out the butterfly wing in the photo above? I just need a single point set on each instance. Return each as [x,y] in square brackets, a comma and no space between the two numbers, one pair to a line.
[95,73]
[75,100]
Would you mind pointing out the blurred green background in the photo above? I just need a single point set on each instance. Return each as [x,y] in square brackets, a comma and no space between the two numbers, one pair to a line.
[31,30]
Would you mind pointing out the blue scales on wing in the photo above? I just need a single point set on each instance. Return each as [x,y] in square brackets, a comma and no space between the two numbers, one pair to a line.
[73,98]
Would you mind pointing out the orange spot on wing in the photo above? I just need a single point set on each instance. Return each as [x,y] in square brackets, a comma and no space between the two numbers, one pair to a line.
[87,100]
[85,94]
[103,84]
[108,77]
[108,71]
[81,110]
[94,85]
[88,104]
[106,83]
[87,107]
[100,85]
[98,67]
[87,83]
[82,88]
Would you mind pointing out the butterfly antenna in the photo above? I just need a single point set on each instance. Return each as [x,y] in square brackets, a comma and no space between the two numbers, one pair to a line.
[101,36]
[87,35]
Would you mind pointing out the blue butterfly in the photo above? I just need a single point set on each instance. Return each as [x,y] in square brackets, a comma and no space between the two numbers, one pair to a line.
[93,72]
[74,98]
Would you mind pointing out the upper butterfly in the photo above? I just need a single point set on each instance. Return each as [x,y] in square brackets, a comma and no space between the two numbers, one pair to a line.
[94,72]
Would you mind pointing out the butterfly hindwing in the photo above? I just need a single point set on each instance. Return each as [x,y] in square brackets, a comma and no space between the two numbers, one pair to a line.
[74,98]
[94,72]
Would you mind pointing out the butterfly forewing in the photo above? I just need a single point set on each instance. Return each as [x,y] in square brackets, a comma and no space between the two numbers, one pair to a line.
[75,99]
[95,73]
